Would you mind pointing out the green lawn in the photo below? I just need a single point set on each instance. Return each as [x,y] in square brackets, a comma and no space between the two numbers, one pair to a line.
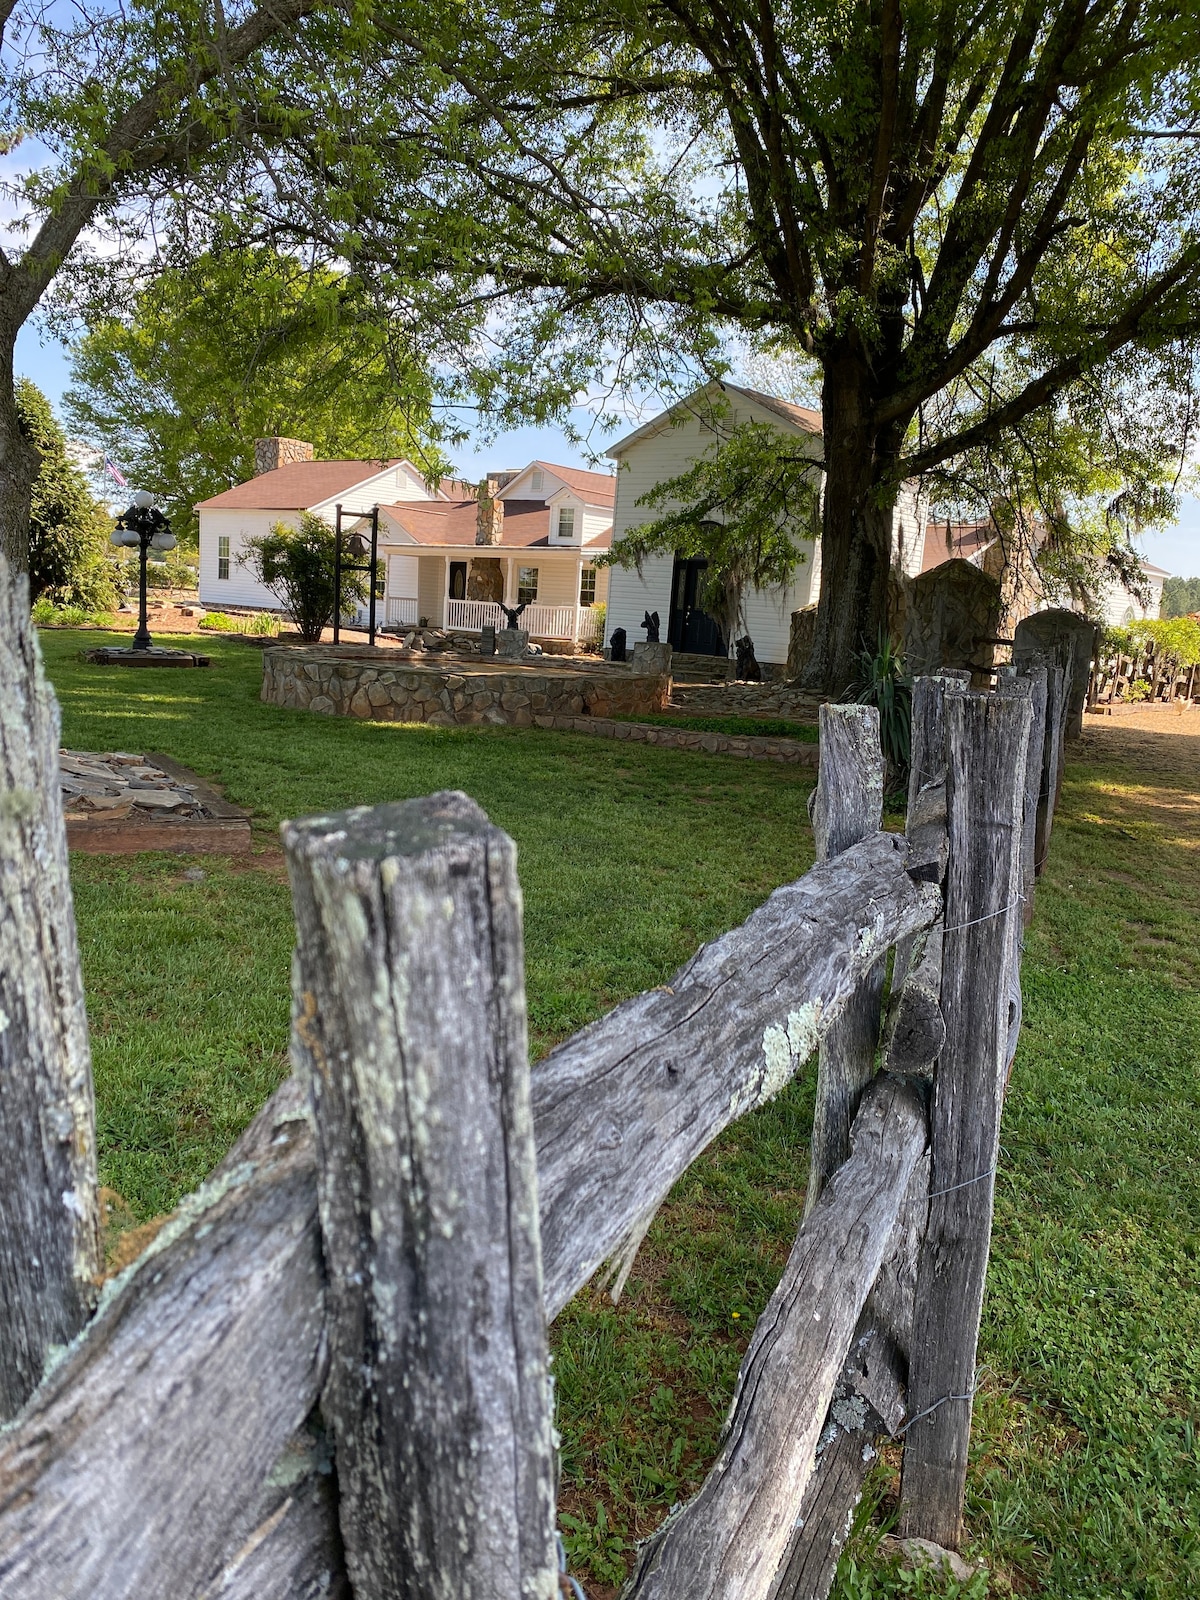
[1085,1479]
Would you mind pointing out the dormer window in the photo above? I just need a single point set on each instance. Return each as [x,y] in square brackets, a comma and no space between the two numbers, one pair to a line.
[537,481]
[566,523]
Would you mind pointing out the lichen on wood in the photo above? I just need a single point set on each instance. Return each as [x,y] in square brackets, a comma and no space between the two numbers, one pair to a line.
[49,1217]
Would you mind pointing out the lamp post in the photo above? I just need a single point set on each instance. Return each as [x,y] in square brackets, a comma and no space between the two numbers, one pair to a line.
[141,526]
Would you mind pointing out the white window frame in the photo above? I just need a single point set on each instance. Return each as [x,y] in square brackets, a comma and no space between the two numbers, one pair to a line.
[587,579]
[524,584]
[569,536]
[223,556]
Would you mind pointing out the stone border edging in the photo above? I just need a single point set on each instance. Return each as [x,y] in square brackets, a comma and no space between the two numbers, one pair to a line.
[754,747]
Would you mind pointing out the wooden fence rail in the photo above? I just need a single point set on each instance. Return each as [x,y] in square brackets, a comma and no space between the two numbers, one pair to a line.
[328,1377]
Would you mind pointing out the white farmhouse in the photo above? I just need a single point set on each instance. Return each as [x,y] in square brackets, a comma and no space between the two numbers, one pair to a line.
[450,555]
[1119,606]
[667,446]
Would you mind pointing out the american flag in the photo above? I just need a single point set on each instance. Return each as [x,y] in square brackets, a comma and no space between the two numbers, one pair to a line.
[115,473]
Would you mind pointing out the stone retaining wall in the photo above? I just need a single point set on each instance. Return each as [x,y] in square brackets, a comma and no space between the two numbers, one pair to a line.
[374,684]
[745,700]
[794,752]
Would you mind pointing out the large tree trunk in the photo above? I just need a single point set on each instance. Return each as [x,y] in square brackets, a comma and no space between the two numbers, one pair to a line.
[19,464]
[856,535]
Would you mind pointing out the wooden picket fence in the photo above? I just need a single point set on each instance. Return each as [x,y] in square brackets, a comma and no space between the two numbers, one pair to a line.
[327,1375]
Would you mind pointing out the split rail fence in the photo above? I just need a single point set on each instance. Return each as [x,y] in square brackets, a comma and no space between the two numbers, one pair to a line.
[327,1375]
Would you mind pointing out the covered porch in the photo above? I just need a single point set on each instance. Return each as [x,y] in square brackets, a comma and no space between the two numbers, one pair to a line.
[464,590]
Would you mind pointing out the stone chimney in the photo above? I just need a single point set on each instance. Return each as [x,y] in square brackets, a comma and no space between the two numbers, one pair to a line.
[489,514]
[272,453]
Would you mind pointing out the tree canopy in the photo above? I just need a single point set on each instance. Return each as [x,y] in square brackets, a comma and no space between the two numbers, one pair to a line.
[120,105]
[236,346]
[1180,597]
[959,209]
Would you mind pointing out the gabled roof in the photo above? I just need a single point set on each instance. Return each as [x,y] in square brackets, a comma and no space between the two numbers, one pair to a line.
[296,486]
[802,418]
[593,488]
[1152,571]
[526,524]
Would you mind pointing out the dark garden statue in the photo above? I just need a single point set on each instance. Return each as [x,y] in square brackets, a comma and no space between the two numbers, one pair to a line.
[650,623]
[512,614]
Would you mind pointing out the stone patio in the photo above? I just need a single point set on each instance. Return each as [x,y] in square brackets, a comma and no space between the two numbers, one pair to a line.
[118,802]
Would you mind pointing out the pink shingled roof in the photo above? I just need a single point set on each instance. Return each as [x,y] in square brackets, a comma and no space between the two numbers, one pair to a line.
[526,523]
[955,541]
[296,486]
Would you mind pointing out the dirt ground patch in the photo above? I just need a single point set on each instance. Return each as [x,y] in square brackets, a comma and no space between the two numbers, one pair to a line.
[1164,749]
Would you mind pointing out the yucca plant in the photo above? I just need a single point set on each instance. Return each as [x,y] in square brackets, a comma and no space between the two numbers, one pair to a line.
[883,683]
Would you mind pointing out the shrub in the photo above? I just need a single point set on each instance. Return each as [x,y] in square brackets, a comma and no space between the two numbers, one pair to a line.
[297,565]
[262,624]
[883,683]
[218,622]
[47,615]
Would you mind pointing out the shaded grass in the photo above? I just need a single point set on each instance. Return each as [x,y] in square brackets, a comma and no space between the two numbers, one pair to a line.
[1084,1477]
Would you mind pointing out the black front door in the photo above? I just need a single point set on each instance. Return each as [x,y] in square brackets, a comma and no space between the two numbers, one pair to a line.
[458,580]
[689,628]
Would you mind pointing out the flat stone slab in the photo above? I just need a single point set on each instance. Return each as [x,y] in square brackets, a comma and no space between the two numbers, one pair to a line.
[122,656]
[118,803]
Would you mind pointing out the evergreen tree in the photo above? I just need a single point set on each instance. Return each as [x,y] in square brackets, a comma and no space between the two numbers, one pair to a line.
[69,560]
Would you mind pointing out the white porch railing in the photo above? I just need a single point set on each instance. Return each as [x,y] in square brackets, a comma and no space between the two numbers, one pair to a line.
[542,622]
[389,613]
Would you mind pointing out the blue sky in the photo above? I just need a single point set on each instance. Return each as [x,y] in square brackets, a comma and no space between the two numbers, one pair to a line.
[46,362]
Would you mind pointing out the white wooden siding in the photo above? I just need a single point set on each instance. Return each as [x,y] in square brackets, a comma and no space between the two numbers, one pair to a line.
[241,588]
[908,529]
[431,588]
[402,577]
[595,522]
[649,461]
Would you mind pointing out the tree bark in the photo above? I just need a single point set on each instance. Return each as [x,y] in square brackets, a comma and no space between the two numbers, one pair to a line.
[49,1229]
[19,461]
[856,532]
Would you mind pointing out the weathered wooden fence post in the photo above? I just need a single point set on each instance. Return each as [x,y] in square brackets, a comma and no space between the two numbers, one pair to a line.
[846,806]
[986,741]
[49,1228]
[1034,674]
[410,1015]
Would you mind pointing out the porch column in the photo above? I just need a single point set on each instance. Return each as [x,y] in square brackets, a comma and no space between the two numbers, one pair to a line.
[578,585]
[446,595]
[510,582]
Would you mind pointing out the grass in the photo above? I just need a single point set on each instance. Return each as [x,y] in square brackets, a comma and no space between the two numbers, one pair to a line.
[1085,1478]
[762,727]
